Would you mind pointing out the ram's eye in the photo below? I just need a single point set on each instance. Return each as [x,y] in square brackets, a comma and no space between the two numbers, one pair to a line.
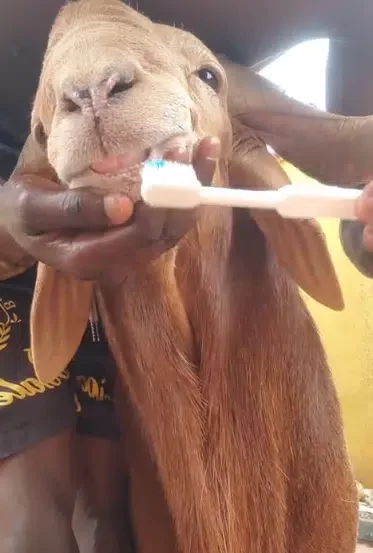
[209,77]
[39,134]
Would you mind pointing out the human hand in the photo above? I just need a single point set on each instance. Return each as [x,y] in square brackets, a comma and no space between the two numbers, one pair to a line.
[365,216]
[84,233]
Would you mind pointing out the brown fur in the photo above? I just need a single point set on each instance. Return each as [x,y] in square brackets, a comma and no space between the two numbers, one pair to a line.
[233,438]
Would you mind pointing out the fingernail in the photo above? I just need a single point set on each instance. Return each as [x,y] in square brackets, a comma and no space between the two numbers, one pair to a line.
[358,206]
[176,153]
[215,149]
[118,209]
[215,140]
[364,208]
[368,238]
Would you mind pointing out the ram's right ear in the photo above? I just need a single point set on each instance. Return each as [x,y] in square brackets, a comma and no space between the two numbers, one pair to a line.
[33,159]
[59,317]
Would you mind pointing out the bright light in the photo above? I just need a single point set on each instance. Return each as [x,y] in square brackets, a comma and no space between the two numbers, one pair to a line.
[300,72]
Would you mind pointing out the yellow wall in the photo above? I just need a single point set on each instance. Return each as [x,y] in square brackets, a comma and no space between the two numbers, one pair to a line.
[348,340]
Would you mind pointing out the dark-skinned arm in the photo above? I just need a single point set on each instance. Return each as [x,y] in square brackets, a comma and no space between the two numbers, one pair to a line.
[357,236]
[82,232]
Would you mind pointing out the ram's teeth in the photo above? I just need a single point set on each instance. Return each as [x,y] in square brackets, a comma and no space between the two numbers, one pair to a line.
[182,143]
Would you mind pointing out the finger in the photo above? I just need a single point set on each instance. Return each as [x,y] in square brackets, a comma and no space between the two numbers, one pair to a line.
[206,154]
[43,211]
[209,147]
[364,207]
[368,238]
[177,221]
[205,157]
[96,255]
[91,256]
[34,182]
[180,155]
[147,228]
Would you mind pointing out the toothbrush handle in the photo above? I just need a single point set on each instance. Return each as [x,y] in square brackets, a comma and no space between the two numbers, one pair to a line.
[231,197]
[299,201]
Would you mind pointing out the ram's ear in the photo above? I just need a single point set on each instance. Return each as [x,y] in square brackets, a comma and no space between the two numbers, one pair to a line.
[33,158]
[60,306]
[299,245]
[332,149]
[59,317]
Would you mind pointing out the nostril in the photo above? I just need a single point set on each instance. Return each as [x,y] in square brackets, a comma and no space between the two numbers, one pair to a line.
[96,96]
[70,105]
[119,87]
[76,99]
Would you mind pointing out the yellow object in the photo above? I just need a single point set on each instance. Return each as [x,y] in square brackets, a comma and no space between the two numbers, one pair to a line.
[348,339]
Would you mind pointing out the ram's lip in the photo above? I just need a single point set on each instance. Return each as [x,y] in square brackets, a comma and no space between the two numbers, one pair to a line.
[127,165]
[118,164]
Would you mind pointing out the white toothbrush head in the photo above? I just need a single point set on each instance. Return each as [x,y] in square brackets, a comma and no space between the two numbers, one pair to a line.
[169,184]
[174,185]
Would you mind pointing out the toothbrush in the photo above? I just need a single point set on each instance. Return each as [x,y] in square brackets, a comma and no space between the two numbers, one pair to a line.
[173,185]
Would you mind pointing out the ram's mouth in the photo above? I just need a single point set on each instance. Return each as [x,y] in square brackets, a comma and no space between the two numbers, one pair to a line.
[123,172]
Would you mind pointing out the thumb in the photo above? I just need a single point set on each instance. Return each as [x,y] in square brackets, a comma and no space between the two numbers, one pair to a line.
[41,208]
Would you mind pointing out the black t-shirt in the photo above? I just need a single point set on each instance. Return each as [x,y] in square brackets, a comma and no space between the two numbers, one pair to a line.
[25,281]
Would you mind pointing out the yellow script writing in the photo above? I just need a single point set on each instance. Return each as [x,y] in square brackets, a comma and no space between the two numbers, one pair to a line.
[9,391]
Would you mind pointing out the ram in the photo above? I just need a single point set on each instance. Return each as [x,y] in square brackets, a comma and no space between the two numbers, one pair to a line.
[233,433]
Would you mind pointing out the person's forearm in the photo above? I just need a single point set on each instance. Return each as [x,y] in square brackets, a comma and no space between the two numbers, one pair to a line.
[351,236]
[13,259]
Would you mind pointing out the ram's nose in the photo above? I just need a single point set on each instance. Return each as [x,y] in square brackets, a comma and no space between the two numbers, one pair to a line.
[97,97]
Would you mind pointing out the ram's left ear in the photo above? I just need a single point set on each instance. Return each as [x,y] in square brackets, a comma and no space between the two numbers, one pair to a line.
[299,245]
[330,148]
[61,305]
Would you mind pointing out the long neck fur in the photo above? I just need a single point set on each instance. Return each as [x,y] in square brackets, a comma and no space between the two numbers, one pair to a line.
[217,355]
